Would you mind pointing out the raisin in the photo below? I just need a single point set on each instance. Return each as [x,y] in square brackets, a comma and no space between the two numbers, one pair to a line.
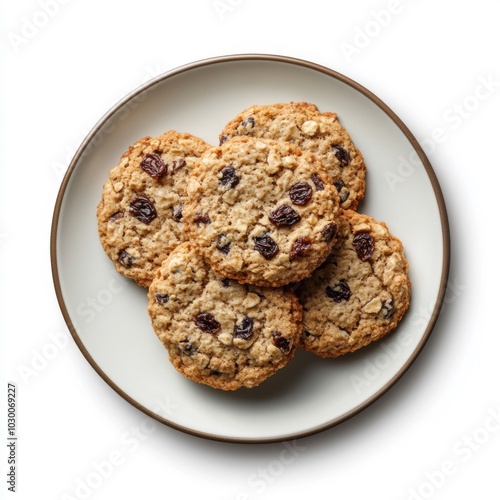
[284,216]
[246,125]
[185,347]
[125,259]
[178,164]
[223,244]
[223,139]
[143,209]
[266,246]
[363,243]
[225,282]
[280,341]
[342,190]
[153,165]
[229,177]
[318,182]
[300,247]
[339,292]
[388,308]
[116,216]
[207,323]
[177,212]
[329,232]
[300,193]
[161,298]
[342,155]
[200,218]
[245,330]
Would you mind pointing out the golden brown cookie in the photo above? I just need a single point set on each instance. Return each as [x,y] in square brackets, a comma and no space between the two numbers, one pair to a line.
[302,124]
[360,293]
[261,211]
[141,210]
[217,331]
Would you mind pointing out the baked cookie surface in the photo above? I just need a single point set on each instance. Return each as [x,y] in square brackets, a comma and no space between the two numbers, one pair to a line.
[217,331]
[360,293]
[302,124]
[261,211]
[140,212]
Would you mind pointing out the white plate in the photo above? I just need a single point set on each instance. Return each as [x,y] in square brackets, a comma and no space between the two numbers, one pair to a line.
[107,314]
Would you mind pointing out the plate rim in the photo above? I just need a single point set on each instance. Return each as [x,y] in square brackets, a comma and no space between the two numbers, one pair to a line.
[441,204]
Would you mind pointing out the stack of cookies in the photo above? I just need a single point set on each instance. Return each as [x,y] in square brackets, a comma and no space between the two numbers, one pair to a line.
[254,248]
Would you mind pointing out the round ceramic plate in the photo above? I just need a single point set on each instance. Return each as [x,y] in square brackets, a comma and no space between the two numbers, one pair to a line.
[107,314]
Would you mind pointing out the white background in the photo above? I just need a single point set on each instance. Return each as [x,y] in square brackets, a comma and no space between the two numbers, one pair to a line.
[436,433]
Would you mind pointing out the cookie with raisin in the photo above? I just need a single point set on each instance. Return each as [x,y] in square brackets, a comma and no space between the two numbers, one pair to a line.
[216,331]
[261,211]
[140,214]
[360,293]
[302,124]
